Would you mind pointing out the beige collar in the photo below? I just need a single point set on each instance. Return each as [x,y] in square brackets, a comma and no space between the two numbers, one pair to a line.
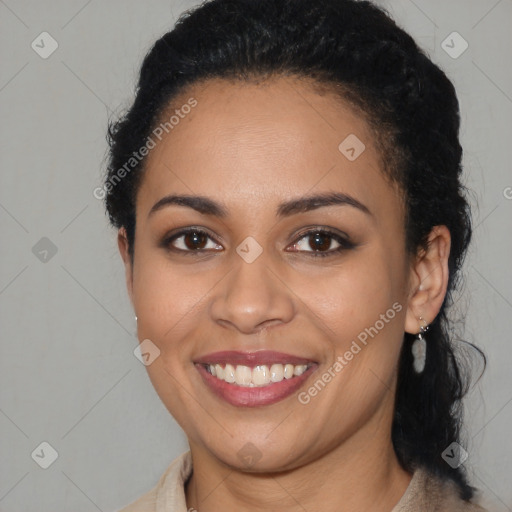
[425,493]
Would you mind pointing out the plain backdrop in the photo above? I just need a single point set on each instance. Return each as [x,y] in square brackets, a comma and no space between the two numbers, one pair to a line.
[68,375]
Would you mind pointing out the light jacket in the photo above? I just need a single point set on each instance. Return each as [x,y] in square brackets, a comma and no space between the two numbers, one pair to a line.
[425,493]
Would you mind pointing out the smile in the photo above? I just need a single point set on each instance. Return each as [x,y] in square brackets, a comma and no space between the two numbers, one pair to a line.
[253,379]
[261,375]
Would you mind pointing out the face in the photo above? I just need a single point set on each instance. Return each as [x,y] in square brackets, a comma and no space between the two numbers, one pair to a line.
[304,299]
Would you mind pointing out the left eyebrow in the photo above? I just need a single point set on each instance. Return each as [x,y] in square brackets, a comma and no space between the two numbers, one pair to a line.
[207,206]
[306,204]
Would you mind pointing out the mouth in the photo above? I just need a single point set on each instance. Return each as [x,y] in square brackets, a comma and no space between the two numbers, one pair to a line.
[251,379]
[261,375]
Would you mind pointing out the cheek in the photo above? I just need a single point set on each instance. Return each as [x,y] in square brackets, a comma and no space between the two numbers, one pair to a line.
[163,290]
[167,301]
[350,297]
[358,309]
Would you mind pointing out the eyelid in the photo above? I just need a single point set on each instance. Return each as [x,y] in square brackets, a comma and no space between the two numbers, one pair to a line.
[322,229]
[339,236]
[303,231]
[180,232]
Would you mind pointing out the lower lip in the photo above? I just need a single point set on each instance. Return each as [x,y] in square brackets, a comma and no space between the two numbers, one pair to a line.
[244,396]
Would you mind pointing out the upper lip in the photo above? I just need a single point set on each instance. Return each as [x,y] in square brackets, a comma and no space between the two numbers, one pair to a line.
[251,359]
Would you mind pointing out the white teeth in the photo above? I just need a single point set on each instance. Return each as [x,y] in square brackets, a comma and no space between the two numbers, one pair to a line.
[276,373]
[261,375]
[229,373]
[258,376]
[219,371]
[288,371]
[243,375]
[299,369]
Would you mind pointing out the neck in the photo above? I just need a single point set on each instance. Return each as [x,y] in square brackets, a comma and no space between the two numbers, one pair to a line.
[361,474]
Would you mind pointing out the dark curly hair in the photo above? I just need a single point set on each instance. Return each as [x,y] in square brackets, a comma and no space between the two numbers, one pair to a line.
[356,50]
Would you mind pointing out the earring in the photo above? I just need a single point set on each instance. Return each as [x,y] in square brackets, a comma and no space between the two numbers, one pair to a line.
[135,317]
[419,348]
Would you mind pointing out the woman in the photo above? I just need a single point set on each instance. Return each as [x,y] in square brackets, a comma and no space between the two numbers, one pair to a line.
[292,224]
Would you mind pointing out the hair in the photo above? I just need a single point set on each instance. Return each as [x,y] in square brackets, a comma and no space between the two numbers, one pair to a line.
[353,48]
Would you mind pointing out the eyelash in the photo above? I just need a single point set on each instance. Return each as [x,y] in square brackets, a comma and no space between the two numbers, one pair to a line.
[344,243]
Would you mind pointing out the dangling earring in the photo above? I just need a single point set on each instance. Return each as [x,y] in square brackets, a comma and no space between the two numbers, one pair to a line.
[135,317]
[419,348]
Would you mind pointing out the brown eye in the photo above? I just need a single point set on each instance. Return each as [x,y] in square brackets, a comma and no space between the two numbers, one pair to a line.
[195,240]
[191,241]
[321,242]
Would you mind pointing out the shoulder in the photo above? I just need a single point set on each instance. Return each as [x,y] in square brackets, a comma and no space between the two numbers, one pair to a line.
[169,490]
[430,493]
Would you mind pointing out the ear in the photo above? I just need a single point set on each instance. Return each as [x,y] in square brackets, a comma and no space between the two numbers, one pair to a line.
[122,242]
[428,280]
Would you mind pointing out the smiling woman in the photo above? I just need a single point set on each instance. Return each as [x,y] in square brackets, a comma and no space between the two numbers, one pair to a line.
[295,235]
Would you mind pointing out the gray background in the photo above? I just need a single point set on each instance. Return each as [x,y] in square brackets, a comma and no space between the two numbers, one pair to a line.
[68,375]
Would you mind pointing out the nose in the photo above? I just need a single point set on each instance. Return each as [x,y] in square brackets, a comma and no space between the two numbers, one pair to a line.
[251,298]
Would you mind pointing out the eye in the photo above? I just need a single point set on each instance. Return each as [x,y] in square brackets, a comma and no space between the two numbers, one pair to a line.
[321,242]
[191,240]
[317,242]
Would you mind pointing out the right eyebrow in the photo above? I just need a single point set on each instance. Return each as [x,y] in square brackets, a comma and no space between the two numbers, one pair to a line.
[208,206]
[201,204]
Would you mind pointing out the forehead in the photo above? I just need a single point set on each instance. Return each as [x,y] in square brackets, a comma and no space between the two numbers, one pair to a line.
[270,140]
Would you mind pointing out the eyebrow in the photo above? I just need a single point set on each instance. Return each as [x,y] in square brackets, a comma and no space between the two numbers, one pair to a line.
[207,206]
